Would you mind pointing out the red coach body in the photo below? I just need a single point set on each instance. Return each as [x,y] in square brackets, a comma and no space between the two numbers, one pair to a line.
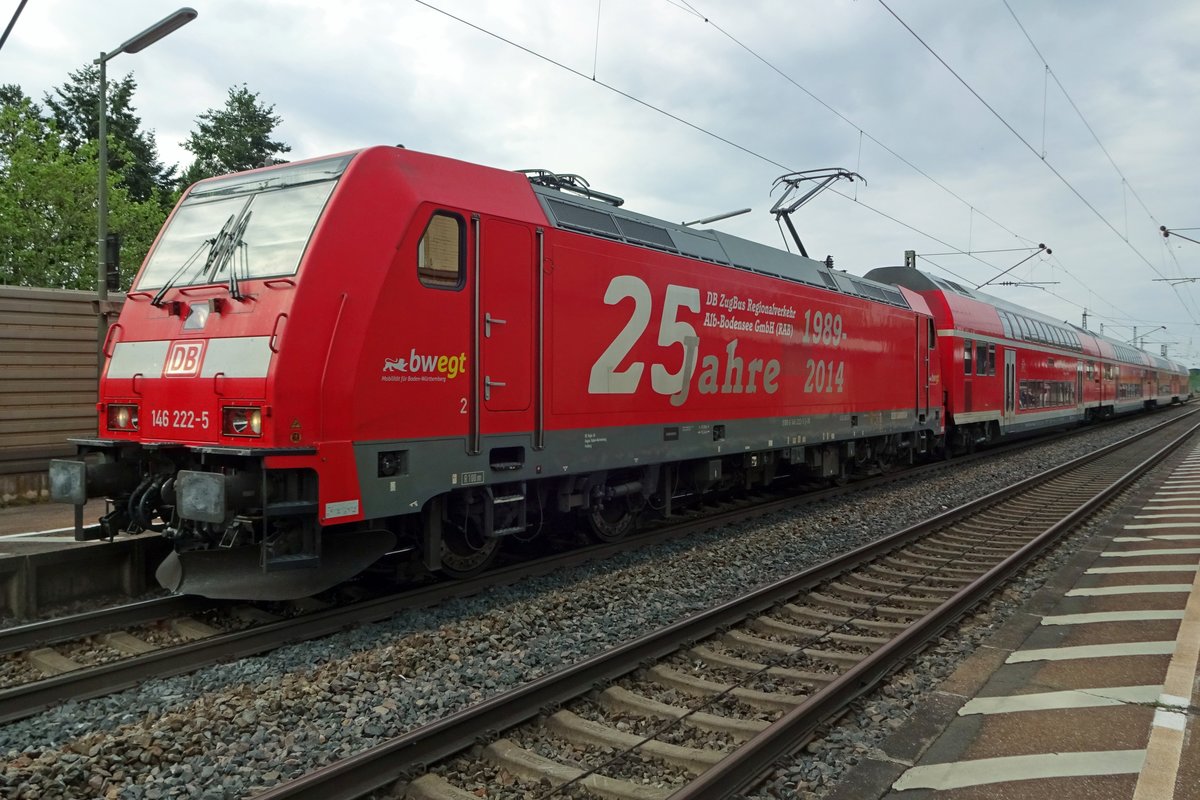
[1008,369]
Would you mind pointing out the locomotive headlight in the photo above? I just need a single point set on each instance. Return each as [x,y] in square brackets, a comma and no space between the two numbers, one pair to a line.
[241,421]
[122,417]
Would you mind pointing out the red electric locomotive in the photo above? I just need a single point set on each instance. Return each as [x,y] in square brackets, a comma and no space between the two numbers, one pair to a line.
[388,353]
[1008,369]
[324,362]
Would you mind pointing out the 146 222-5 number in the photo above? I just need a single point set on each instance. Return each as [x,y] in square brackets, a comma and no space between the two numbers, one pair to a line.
[179,419]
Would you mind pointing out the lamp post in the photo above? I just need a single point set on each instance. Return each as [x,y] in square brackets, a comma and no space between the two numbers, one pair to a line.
[142,40]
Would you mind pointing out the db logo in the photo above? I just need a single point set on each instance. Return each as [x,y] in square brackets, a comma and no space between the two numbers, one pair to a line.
[183,359]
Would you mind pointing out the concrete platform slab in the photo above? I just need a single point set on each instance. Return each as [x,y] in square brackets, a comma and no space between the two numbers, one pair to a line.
[1096,698]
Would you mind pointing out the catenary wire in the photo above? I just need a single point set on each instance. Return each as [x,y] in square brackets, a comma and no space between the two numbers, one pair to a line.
[693,11]
[1030,147]
[1125,184]
[1082,118]
[701,129]
[677,118]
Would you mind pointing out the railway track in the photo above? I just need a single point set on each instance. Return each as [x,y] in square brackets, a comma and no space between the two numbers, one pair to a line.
[702,708]
[185,635]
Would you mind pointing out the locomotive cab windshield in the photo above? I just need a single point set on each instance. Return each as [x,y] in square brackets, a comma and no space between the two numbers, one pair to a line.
[242,227]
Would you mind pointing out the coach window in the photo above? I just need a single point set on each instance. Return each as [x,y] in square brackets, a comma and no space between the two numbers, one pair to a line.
[981,358]
[991,359]
[967,346]
[441,253]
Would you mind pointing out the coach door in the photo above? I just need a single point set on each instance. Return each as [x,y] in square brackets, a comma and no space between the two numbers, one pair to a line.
[926,338]
[505,321]
[1010,384]
[1079,386]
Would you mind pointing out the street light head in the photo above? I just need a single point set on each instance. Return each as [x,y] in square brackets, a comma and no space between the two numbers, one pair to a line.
[157,31]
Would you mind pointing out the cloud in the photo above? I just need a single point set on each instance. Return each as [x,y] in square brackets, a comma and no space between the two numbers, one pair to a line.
[366,71]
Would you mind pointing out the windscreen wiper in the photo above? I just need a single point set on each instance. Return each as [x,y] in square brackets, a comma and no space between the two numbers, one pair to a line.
[219,251]
[229,238]
[238,244]
[158,298]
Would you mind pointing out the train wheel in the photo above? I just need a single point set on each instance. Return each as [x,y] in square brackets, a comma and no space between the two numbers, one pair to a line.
[611,521]
[466,552]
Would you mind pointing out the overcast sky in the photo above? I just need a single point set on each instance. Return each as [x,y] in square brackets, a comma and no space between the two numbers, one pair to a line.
[352,73]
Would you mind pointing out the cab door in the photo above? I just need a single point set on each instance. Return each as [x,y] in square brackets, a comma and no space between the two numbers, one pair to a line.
[926,339]
[505,324]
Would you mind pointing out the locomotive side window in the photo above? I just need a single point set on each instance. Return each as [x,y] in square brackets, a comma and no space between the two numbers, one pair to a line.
[932,335]
[441,253]
[967,347]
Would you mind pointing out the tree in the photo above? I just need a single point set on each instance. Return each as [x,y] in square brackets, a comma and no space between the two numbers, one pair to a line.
[48,203]
[234,138]
[73,107]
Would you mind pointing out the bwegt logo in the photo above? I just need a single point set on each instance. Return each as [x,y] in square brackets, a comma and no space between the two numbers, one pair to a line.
[419,366]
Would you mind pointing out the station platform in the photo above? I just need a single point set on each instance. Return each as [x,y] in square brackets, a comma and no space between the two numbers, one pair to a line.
[46,518]
[42,566]
[1092,691]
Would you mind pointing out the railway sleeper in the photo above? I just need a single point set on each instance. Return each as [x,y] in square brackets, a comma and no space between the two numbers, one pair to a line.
[574,728]
[509,755]
[958,554]
[836,657]
[431,786]
[808,613]
[619,699]
[778,628]
[714,659]
[50,662]
[127,643]
[929,566]
[838,602]
[908,595]
[924,588]
[699,687]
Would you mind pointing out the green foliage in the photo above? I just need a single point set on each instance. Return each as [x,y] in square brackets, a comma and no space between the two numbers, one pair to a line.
[234,138]
[48,173]
[48,203]
[74,109]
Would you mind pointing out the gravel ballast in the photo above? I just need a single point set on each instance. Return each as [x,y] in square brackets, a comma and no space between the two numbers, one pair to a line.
[227,730]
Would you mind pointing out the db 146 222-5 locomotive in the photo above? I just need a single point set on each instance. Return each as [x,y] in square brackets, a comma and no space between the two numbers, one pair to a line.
[388,352]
